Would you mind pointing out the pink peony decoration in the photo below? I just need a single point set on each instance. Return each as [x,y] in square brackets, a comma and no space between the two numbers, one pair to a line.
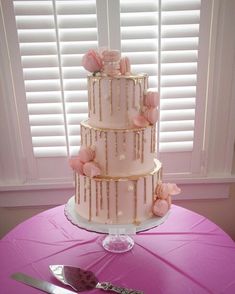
[91,169]
[151,114]
[92,61]
[76,165]
[86,154]
[151,99]
[160,207]
[125,67]
[111,55]
[140,121]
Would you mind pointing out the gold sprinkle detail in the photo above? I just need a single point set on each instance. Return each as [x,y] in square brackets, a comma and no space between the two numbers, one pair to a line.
[100,104]
[90,200]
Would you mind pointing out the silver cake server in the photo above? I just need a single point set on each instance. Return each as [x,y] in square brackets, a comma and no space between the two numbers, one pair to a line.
[39,284]
[82,280]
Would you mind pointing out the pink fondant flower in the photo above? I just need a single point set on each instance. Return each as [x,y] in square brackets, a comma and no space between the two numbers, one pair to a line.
[140,121]
[125,67]
[151,99]
[160,207]
[111,55]
[86,154]
[91,169]
[151,114]
[76,165]
[92,61]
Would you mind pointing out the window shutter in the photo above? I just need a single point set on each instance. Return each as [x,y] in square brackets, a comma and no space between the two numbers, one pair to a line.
[163,37]
[53,36]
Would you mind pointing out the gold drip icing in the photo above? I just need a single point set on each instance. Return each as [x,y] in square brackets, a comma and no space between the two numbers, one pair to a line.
[127,130]
[116,198]
[100,133]
[93,94]
[124,141]
[133,94]
[106,153]
[142,146]
[89,199]
[96,199]
[154,137]
[85,188]
[135,202]
[108,199]
[86,140]
[134,78]
[140,88]
[77,187]
[153,187]
[100,104]
[116,144]
[96,135]
[138,144]
[127,95]
[89,98]
[90,137]
[101,195]
[145,190]
[118,95]
[111,96]
[135,149]
[131,178]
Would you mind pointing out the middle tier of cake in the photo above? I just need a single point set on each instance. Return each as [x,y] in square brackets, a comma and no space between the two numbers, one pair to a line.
[121,152]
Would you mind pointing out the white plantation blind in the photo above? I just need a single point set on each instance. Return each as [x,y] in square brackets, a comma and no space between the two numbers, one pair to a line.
[53,36]
[162,37]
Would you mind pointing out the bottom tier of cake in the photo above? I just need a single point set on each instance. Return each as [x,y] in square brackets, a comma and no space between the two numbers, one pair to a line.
[125,200]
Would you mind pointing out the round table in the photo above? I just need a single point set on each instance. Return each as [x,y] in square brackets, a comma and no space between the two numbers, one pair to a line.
[186,254]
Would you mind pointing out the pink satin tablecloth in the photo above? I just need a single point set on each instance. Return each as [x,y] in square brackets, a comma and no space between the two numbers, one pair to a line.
[186,254]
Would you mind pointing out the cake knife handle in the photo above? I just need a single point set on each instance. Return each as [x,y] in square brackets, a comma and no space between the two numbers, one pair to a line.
[109,287]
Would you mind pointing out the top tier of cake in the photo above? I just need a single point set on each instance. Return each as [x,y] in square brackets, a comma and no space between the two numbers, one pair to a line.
[114,102]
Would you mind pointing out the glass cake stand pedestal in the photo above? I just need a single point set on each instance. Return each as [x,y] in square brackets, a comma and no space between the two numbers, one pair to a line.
[118,237]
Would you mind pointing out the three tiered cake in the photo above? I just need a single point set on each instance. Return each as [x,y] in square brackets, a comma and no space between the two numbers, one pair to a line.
[118,179]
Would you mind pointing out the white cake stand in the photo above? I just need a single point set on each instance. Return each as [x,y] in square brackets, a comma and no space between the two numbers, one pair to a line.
[118,239]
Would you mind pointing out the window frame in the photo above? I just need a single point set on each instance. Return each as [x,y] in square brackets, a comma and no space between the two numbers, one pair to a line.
[20,173]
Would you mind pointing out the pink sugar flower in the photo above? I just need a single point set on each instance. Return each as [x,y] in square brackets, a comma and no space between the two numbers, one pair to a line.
[151,99]
[86,154]
[76,165]
[151,114]
[140,121]
[92,61]
[91,169]
[160,207]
